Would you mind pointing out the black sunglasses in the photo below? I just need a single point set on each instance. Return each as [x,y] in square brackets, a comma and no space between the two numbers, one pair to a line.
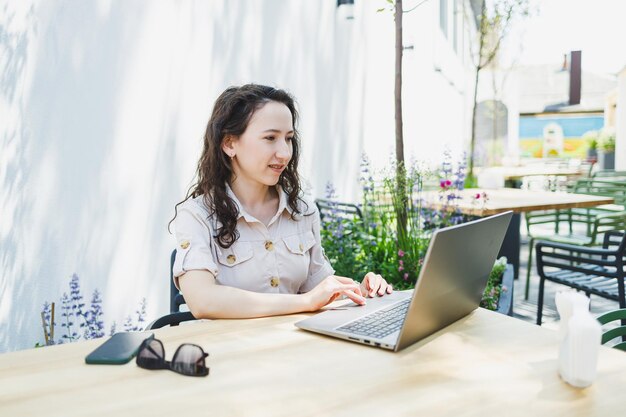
[188,359]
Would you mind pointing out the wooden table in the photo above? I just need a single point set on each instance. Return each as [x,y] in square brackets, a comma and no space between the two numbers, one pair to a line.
[519,201]
[513,175]
[519,172]
[484,364]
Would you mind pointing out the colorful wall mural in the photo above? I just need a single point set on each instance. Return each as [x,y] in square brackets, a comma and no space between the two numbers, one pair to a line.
[557,135]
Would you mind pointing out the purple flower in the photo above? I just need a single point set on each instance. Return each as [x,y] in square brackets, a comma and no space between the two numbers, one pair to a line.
[76,300]
[401,253]
[406,276]
[67,318]
[95,325]
[128,324]
[400,268]
[330,190]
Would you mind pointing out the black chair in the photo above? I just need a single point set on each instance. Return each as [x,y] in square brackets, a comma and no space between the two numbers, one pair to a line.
[329,208]
[175,317]
[597,271]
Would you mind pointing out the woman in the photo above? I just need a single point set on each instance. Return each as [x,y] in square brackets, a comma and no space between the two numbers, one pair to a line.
[248,245]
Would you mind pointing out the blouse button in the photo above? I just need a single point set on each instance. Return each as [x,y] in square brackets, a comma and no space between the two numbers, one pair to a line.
[269,245]
[274,282]
[184,244]
[231,259]
[301,247]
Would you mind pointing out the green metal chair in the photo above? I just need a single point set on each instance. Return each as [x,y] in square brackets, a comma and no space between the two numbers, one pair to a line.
[595,225]
[605,187]
[609,174]
[617,331]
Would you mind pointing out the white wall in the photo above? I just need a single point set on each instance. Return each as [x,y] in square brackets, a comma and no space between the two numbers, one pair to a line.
[103,105]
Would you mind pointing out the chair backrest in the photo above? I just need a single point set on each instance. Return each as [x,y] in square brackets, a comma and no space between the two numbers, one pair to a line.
[175,316]
[609,173]
[603,187]
[176,298]
[545,217]
[615,240]
[608,261]
[615,332]
[610,226]
[598,223]
[331,208]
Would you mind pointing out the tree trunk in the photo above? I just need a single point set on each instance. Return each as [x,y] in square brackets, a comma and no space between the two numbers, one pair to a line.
[401,191]
[470,172]
[398,85]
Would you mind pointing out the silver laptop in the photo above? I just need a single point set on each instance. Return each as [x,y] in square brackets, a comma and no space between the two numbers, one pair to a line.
[450,286]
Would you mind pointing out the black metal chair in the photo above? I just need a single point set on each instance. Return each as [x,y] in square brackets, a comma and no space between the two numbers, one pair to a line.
[175,317]
[597,271]
[334,208]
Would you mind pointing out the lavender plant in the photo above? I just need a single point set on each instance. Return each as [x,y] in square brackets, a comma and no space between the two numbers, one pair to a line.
[95,324]
[67,321]
[375,242]
[76,302]
[451,183]
[74,317]
[131,325]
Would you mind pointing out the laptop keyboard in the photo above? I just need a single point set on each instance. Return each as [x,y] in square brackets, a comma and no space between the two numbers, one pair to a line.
[379,323]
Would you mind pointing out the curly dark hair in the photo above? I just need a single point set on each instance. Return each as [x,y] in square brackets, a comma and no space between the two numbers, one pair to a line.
[232,112]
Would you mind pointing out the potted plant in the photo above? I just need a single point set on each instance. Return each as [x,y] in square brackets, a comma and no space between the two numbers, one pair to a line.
[591,137]
[606,142]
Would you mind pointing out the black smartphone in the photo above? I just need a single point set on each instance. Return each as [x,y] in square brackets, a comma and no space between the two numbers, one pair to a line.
[119,349]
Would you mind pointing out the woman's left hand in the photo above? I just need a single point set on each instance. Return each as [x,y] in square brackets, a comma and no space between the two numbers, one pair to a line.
[374,284]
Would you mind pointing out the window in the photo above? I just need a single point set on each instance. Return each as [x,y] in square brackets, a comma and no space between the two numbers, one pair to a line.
[443,17]
[456,19]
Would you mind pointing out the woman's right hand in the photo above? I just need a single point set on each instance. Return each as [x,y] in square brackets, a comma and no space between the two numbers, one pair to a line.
[331,288]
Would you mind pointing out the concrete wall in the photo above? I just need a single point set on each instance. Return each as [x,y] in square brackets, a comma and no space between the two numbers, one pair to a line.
[103,105]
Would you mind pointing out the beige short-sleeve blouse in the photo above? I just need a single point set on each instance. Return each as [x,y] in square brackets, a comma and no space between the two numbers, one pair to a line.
[286,256]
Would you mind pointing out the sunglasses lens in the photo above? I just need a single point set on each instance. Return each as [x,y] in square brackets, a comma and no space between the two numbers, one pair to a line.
[151,355]
[189,360]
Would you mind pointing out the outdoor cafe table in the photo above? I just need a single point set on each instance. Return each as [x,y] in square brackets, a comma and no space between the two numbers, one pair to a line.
[513,175]
[519,201]
[484,364]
